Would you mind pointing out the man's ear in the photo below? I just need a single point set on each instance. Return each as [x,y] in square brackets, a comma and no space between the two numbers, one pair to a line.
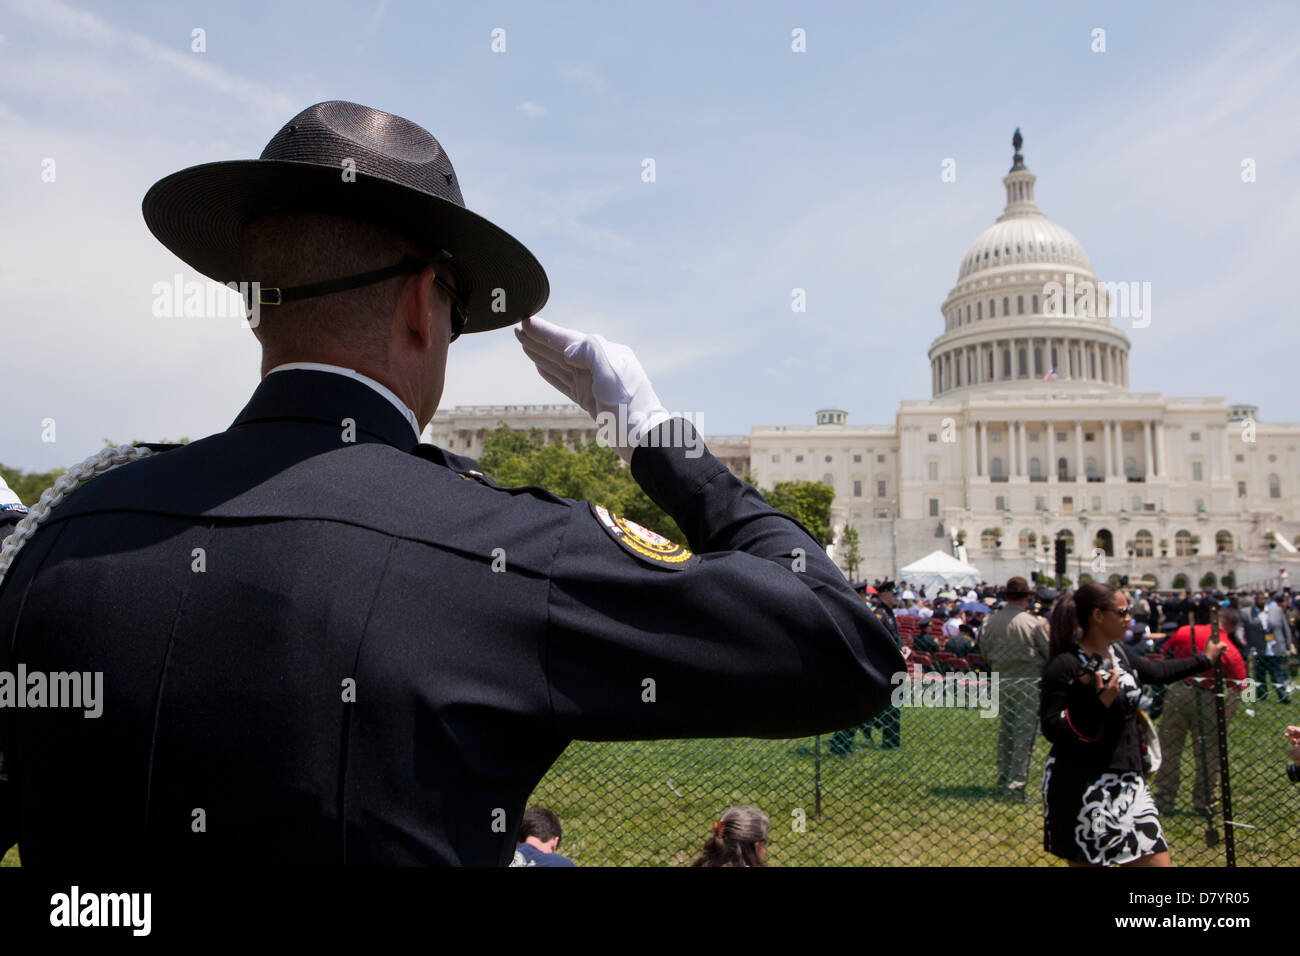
[419,305]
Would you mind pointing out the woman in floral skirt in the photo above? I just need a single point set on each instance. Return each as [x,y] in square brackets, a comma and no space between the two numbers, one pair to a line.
[1097,809]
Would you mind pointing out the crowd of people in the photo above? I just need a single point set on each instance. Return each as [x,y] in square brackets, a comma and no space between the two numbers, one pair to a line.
[1082,665]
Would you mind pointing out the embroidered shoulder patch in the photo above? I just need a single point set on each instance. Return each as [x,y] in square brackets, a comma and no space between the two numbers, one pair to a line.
[642,542]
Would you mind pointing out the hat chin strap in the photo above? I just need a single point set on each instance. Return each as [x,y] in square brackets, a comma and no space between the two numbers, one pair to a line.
[278,296]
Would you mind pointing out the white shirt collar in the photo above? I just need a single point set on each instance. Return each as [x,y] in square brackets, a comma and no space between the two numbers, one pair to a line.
[379,387]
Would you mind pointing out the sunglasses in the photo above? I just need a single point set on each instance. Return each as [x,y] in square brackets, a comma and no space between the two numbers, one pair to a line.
[459,314]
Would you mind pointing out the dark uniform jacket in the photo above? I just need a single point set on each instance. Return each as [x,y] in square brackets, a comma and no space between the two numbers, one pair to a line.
[309,658]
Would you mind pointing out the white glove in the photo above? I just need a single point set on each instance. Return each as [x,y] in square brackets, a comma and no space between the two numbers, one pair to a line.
[599,375]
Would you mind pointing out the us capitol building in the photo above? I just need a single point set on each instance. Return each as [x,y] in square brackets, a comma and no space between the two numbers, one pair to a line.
[1031,432]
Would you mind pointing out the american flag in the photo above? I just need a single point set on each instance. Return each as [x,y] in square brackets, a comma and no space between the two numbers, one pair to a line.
[1050,376]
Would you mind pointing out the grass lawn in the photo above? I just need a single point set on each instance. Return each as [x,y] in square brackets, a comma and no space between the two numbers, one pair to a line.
[929,803]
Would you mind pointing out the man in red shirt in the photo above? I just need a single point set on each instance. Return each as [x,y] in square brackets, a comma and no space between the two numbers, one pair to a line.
[1189,709]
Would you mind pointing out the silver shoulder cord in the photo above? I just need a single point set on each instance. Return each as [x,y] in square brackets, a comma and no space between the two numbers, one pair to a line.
[97,464]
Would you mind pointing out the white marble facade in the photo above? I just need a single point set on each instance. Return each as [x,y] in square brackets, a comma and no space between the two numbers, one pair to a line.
[1031,430]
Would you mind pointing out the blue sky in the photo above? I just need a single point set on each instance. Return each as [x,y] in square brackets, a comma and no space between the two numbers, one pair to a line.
[775,170]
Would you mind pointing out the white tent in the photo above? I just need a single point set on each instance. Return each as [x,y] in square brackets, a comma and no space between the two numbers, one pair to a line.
[937,571]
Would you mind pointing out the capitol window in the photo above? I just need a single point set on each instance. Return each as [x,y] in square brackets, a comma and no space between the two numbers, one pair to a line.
[1143,544]
[1006,363]
[1060,436]
[934,507]
[776,459]
[857,488]
[934,471]
[995,436]
[1006,305]
[1022,363]
[1196,436]
[1241,489]
[932,437]
[857,458]
[1033,436]
[1035,305]
[880,458]
[1020,305]
[1128,436]
[880,489]
[828,459]
[798,458]
[1196,471]
[1000,503]
[1240,457]
[979,311]
[1274,486]
[993,308]
[828,479]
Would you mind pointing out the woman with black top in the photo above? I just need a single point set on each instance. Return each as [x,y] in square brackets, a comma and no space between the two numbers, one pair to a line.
[1097,809]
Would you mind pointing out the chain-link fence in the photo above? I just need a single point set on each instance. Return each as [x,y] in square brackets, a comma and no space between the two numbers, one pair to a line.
[933,800]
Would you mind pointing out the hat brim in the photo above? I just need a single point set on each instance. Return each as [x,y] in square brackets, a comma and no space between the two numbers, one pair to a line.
[199,213]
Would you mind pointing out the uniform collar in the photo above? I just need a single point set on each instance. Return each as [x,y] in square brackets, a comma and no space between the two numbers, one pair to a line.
[328,398]
[379,387]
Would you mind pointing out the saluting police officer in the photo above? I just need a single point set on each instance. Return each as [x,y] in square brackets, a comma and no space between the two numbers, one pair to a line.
[323,642]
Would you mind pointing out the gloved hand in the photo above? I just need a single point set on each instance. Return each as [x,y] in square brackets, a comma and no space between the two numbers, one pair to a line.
[599,375]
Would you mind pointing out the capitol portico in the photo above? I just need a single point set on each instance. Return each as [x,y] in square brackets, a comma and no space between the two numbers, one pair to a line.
[1031,432]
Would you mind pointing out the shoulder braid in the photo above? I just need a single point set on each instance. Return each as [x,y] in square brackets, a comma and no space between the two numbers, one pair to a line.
[97,464]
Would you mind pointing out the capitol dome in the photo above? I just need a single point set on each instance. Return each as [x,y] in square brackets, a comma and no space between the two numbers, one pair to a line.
[1027,238]
[1009,322]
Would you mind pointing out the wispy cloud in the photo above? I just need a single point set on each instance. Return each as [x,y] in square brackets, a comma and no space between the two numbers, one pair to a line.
[529,108]
[81,25]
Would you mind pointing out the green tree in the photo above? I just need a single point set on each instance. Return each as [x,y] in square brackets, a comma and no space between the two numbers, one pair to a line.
[852,557]
[591,472]
[808,502]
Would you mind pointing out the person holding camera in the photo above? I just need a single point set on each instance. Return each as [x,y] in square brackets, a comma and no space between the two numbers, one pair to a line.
[1097,808]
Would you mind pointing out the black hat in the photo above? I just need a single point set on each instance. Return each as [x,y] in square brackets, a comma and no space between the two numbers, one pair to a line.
[403,180]
[886,586]
[1047,595]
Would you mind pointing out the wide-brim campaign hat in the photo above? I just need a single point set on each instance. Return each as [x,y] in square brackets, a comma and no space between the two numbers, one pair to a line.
[350,160]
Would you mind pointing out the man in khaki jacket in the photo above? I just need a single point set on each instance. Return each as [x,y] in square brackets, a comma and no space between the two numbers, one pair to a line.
[1015,643]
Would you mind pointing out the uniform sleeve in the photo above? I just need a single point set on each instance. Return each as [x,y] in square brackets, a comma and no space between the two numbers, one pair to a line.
[1166,672]
[758,635]
[1070,710]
